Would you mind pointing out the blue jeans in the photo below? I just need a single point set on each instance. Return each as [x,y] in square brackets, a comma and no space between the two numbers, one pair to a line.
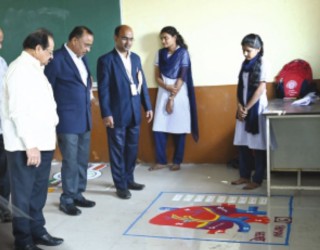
[75,157]
[29,188]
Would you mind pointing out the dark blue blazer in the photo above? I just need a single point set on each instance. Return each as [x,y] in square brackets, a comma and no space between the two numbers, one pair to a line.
[71,95]
[114,90]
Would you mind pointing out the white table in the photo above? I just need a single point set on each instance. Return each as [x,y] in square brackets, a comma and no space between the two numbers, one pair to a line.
[296,130]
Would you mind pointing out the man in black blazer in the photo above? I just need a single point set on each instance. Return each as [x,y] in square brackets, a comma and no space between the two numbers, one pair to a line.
[70,78]
[122,89]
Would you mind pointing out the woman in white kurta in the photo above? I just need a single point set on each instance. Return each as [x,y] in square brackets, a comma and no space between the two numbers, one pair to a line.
[175,112]
[250,126]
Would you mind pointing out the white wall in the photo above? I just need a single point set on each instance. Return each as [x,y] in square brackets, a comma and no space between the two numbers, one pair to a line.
[213,29]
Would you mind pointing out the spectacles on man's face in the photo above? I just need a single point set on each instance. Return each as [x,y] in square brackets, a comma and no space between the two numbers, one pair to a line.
[127,39]
[50,52]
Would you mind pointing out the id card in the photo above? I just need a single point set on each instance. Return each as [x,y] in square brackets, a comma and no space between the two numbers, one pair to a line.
[133,89]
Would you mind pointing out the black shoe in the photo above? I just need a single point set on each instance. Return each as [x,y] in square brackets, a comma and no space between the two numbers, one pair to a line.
[69,209]
[123,194]
[48,240]
[84,203]
[136,186]
[5,216]
[28,247]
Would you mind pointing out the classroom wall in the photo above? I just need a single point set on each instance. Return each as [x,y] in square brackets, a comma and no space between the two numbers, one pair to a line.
[213,29]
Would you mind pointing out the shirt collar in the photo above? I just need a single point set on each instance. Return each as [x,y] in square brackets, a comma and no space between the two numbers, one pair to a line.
[32,59]
[129,53]
[72,54]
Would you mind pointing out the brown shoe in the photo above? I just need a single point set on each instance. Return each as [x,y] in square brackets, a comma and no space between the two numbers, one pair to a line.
[240,181]
[175,167]
[251,185]
[157,167]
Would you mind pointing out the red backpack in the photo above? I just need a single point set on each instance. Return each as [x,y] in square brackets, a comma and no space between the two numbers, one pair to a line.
[294,80]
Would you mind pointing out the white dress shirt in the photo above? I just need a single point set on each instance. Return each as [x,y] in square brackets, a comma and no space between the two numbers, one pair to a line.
[3,69]
[79,64]
[81,68]
[28,109]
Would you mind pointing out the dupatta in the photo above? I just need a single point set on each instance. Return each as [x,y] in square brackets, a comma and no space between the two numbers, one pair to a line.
[178,65]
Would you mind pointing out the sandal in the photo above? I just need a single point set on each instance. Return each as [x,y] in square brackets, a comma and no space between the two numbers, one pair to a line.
[251,185]
[175,167]
[240,181]
[157,167]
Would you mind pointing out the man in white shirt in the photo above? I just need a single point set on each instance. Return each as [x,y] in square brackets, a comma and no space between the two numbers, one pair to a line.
[29,119]
[5,214]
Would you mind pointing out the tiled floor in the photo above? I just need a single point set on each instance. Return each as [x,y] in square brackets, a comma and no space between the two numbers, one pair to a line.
[107,226]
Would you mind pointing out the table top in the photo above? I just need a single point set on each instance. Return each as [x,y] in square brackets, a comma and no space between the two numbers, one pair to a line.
[285,107]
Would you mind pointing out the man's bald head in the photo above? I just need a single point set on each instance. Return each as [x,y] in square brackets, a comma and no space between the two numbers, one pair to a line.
[123,37]
[121,28]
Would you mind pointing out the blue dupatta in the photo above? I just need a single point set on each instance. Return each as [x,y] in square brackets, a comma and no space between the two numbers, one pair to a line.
[252,119]
[178,65]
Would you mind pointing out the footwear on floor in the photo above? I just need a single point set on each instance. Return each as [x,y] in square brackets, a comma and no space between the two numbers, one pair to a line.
[251,185]
[123,194]
[84,203]
[69,209]
[48,240]
[28,247]
[240,181]
[5,215]
[175,167]
[157,167]
[136,186]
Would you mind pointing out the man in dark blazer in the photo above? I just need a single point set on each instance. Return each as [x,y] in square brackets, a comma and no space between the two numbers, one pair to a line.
[122,89]
[70,78]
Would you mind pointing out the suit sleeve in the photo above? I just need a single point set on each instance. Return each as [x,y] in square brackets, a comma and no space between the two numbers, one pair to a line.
[145,99]
[103,78]
[51,72]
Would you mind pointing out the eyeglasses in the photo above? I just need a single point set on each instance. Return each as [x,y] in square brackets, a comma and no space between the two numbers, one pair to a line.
[127,39]
[50,52]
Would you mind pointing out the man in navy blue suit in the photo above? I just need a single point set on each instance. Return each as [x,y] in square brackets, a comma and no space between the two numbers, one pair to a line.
[122,89]
[70,78]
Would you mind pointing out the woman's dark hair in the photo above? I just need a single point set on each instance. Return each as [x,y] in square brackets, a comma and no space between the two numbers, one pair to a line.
[38,37]
[78,32]
[173,32]
[254,41]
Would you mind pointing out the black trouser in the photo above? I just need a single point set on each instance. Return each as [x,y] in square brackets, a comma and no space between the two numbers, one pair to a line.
[29,188]
[4,177]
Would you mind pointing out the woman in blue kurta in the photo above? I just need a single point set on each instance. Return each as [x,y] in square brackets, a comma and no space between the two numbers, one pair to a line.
[175,112]
[250,130]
